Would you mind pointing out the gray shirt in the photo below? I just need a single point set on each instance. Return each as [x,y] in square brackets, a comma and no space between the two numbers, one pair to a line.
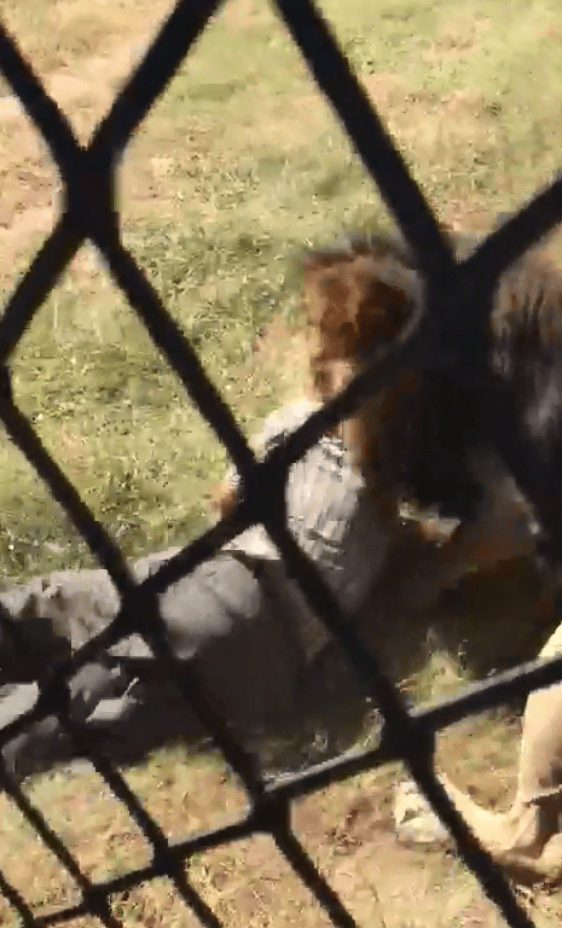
[332,516]
[333,519]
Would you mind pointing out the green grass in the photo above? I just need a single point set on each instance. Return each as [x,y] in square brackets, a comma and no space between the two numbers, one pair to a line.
[238,166]
[255,166]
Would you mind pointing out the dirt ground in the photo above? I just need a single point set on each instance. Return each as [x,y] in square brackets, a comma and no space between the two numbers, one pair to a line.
[346,828]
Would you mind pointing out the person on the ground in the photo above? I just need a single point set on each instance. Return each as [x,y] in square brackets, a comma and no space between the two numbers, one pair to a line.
[239,614]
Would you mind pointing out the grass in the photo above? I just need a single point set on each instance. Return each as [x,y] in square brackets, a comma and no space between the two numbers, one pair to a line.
[219,190]
[238,165]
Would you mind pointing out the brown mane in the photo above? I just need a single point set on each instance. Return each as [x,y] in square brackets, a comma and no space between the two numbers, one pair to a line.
[358,294]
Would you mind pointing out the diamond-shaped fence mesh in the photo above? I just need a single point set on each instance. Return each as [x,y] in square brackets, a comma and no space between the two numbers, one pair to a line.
[89,212]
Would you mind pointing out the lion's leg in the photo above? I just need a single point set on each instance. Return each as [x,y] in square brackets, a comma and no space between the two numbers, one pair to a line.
[527,839]
[500,533]
[524,840]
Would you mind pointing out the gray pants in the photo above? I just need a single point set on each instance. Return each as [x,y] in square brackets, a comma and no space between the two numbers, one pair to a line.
[225,617]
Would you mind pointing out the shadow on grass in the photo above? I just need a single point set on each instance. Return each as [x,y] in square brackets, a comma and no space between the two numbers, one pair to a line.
[290,720]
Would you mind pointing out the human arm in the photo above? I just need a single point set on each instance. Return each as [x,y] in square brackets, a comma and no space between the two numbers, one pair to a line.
[275,427]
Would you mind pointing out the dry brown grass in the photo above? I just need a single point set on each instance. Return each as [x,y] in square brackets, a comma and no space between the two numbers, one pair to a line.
[240,162]
[346,829]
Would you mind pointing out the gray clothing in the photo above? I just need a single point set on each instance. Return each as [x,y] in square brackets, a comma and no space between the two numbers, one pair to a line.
[333,519]
[252,632]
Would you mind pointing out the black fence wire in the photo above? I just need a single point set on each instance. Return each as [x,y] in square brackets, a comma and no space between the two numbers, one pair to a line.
[89,212]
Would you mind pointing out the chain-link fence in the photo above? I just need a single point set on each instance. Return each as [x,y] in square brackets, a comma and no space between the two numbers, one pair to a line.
[89,212]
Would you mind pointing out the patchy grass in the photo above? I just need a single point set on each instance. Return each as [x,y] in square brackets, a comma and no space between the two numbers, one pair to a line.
[238,165]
